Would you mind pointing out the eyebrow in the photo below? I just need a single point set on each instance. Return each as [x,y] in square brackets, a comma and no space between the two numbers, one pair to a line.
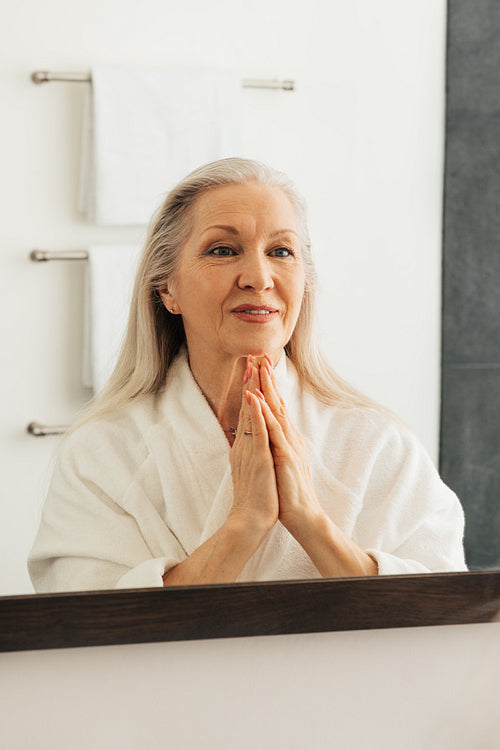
[232,230]
[225,227]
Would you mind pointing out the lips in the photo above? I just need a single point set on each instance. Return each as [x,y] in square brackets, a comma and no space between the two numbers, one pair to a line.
[255,309]
[255,313]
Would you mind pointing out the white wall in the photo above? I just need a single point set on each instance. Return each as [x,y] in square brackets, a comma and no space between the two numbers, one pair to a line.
[362,136]
[421,689]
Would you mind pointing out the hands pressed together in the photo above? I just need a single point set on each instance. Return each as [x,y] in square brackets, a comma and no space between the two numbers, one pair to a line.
[271,483]
[271,476]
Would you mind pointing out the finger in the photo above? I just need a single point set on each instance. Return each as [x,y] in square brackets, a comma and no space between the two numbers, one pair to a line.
[247,413]
[251,383]
[251,420]
[251,379]
[271,394]
[248,370]
[275,431]
[258,422]
[276,401]
[268,386]
[244,419]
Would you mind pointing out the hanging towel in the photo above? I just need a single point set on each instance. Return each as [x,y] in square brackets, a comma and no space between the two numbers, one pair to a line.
[145,130]
[109,282]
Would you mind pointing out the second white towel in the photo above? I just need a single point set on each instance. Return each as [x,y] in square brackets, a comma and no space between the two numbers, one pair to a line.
[108,291]
[145,130]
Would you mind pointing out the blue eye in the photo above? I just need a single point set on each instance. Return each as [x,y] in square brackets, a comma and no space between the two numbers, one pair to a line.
[281,252]
[222,250]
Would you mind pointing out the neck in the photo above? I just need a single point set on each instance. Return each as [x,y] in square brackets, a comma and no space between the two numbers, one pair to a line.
[222,387]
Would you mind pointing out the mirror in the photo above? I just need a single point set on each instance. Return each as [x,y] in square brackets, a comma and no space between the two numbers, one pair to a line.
[373,155]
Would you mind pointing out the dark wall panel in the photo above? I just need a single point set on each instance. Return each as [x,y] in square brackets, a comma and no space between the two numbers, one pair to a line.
[470,461]
[470,412]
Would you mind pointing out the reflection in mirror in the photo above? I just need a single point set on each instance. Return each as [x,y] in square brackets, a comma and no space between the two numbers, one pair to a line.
[223,448]
[366,259]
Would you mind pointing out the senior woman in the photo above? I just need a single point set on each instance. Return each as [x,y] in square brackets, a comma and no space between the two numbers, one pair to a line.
[223,447]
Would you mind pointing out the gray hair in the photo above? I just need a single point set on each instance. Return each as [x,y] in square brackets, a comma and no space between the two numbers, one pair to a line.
[154,337]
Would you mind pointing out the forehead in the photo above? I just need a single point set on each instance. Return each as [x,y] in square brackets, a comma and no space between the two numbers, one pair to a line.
[249,206]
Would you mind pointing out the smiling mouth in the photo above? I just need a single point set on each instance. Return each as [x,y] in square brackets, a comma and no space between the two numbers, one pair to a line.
[254,313]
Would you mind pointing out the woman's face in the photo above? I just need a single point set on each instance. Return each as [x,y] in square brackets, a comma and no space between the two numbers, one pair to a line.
[241,276]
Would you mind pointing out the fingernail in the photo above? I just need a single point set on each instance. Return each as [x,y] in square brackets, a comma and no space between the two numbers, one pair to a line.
[260,395]
[248,397]
[269,359]
[248,371]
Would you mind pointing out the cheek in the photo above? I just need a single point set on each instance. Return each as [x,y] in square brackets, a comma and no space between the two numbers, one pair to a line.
[216,286]
[203,294]
[297,288]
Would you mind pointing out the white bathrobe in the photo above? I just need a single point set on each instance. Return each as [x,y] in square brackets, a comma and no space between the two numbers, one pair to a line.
[136,492]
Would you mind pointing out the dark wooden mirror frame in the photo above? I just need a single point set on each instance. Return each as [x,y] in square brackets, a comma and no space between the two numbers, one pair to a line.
[231,610]
[106,618]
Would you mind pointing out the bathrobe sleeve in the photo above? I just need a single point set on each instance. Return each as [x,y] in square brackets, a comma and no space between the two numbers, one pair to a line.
[102,524]
[410,521]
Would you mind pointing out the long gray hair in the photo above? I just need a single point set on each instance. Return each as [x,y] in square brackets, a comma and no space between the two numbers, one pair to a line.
[154,336]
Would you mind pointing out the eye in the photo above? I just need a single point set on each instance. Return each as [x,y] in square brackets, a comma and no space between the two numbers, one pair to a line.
[222,250]
[281,252]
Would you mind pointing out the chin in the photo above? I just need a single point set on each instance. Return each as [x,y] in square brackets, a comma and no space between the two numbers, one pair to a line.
[272,351]
[257,347]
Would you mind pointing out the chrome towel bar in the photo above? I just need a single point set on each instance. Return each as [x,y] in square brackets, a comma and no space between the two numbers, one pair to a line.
[45,76]
[40,256]
[41,430]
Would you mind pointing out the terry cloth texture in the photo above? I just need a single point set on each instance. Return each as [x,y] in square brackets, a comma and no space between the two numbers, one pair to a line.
[134,494]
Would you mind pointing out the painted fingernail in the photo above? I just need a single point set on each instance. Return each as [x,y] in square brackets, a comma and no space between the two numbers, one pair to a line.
[269,359]
[260,395]
[248,397]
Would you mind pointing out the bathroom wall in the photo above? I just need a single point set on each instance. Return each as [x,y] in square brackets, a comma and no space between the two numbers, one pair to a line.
[362,135]
[421,689]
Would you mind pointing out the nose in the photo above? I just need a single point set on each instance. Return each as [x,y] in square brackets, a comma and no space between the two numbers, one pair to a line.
[255,273]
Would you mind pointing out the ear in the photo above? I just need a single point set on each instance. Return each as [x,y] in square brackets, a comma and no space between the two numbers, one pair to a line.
[168,299]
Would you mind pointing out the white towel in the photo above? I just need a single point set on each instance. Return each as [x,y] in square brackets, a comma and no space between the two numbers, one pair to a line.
[145,130]
[109,280]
